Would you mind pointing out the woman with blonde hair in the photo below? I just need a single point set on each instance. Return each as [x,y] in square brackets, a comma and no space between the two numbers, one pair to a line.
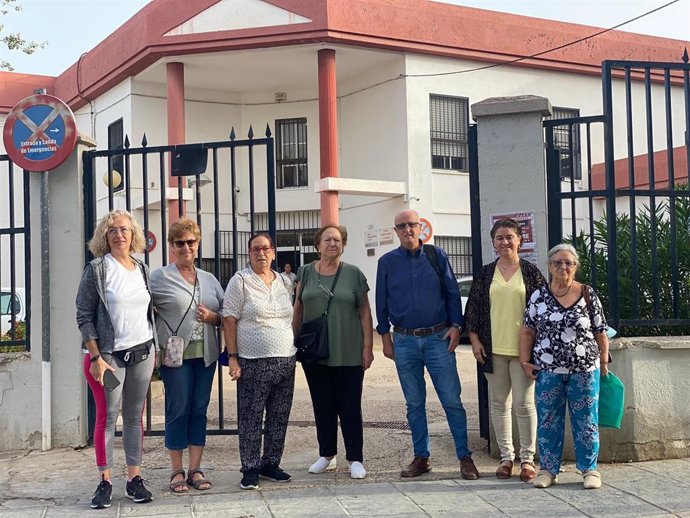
[115,318]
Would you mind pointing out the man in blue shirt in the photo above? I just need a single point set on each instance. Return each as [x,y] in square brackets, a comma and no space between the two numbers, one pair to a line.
[426,318]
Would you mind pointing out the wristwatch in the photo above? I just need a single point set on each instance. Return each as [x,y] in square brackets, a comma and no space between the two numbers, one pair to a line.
[456,326]
[233,355]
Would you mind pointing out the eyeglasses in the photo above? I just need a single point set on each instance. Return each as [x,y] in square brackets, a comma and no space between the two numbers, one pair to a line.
[256,249]
[411,224]
[561,264]
[113,231]
[179,243]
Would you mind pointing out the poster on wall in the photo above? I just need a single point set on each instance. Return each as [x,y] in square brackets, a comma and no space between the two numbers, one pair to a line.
[386,236]
[528,250]
[371,239]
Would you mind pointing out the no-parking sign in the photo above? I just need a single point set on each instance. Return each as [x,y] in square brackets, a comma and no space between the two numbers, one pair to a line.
[40,133]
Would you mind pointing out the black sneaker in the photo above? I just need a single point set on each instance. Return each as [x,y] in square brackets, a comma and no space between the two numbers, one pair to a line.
[137,492]
[250,480]
[274,473]
[101,497]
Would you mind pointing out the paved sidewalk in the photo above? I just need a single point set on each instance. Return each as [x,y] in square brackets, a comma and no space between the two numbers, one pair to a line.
[59,483]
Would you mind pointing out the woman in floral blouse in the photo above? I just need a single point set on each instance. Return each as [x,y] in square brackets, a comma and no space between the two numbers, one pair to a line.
[564,346]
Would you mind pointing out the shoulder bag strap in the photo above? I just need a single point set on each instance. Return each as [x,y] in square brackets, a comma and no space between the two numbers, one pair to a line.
[185,313]
[335,281]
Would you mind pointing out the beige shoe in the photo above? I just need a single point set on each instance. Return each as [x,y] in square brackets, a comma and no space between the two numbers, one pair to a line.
[544,479]
[591,480]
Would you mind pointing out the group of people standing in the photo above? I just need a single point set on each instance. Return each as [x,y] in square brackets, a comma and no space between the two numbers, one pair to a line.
[522,329]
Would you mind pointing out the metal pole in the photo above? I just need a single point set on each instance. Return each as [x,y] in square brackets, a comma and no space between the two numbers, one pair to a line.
[45,315]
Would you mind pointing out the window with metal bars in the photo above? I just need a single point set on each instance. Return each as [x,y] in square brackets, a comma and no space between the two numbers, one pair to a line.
[449,122]
[567,142]
[116,140]
[291,153]
[459,250]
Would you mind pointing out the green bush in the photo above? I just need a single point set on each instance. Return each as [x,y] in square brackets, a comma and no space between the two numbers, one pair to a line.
[646,243]
[20,331]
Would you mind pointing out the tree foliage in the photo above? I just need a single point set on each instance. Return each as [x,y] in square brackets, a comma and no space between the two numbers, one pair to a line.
[655,265]
[14,41]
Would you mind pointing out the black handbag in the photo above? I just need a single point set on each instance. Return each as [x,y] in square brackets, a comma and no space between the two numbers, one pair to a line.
[312,339]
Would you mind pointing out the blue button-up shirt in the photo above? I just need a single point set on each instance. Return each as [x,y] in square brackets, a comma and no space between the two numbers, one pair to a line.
[409,294]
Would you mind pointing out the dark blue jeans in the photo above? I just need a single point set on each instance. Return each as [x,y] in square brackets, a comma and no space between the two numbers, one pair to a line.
[412,354]
[187,393]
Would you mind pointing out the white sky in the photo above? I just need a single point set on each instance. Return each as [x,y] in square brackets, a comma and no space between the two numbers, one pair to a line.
[71,27]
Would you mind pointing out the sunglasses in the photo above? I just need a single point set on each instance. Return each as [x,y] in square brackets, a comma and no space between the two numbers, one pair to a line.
[412,224]
[179,243]
[256,249]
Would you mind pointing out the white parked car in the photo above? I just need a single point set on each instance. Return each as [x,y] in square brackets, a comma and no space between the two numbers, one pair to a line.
[6,302]
[464,285]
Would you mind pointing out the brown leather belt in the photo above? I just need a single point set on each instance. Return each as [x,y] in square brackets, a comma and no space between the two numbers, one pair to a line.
[421,331]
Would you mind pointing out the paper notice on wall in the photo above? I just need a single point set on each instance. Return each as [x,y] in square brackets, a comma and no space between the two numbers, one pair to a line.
[386,236]
[371,238]
[528,249]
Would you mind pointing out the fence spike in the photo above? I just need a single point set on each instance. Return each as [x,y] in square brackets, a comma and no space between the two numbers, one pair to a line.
[685,55]
[250,133]
[268,130]
[126,142]
[232,133]
[144,142]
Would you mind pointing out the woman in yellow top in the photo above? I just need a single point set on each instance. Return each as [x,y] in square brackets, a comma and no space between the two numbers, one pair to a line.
[494,314]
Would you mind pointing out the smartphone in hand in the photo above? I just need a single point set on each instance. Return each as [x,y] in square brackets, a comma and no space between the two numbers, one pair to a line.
[110,382]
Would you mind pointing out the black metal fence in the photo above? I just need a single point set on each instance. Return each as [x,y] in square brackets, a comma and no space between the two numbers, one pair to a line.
[147,194]
[15,257]
[629,217]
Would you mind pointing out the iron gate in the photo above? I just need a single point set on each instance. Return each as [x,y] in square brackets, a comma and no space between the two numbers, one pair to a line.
[129,185]
[629,216]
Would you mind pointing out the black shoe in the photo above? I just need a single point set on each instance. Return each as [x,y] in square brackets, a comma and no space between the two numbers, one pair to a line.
[101,497]
[273,472]
[250,480]
[137,492]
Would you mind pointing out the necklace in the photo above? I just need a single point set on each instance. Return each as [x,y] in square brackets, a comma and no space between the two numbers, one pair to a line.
[323,288]
[564,293]
[504,268]
[189,277]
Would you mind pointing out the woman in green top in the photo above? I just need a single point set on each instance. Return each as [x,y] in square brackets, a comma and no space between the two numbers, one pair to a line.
[336,384]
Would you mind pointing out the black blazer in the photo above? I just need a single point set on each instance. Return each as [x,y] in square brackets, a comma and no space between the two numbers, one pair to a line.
[478,308]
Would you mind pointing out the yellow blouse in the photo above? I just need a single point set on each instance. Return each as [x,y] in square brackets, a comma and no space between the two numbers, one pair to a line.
[507,312]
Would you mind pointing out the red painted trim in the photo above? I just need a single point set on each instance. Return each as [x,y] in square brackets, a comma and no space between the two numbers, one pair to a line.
[176,127]
[641,170]
[418,26]
[328,131]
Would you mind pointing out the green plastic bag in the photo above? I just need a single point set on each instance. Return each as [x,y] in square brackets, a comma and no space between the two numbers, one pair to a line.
[611,401]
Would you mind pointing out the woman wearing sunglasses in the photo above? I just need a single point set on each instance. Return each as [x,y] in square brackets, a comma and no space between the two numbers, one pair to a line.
[258,336]
[188,302]
[564,347]
[335,384]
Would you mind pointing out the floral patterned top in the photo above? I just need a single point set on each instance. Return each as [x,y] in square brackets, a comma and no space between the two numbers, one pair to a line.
[565,342]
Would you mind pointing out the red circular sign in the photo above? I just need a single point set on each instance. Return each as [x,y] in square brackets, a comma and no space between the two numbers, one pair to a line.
[40,133]
[150,241]
[426,231]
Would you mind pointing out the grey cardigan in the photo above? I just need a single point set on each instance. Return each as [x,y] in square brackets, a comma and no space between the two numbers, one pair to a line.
[171,298]
[93,318]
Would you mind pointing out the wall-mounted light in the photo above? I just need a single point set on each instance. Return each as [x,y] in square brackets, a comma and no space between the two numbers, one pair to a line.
[204,179]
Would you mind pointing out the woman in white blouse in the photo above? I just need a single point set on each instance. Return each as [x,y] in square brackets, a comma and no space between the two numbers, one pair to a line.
[257,310]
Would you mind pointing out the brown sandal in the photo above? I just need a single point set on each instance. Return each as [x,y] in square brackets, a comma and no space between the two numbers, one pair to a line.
[198,482]
[528,471]
[179,486]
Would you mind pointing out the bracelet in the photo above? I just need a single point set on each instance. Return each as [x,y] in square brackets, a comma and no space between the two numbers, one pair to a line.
[524,363]
[94,358]
[603,363]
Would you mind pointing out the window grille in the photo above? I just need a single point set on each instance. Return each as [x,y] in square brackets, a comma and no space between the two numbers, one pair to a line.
[449,125]
[567,142]
[291,153]
[459,250]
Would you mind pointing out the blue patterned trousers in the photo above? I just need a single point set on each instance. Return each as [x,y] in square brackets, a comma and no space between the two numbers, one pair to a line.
[581,392]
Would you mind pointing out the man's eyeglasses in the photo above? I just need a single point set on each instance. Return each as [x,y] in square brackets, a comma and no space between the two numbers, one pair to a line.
[179,243]
[561,264]
[113,231]
[256,249]
[411,224]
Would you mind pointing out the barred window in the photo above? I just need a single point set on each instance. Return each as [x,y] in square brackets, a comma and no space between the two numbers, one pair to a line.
[567,142]
[291,156]
[449,123]
[459,250]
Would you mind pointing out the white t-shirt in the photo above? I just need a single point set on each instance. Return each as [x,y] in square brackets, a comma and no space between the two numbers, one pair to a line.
[264,315]
[128,304]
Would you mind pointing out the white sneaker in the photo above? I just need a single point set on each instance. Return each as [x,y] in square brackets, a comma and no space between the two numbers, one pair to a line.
[322,465]
[357,470]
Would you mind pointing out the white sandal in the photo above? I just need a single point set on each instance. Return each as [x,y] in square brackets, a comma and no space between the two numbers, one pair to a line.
[545,479]
[591,479]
